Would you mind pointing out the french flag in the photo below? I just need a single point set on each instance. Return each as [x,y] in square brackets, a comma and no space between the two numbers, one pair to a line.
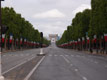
[105,37]
[11,37]
[3,38]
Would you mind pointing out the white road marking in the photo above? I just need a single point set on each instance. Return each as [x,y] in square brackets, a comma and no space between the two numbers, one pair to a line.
[4,55]
[84,78]
[66,55]
[50,55]
[77,55]
[96,62]
[61,55]
[32,71]
[17,66]
[21,55]
[72,55]
[55,55]
[76,70]
[71,64]
[105,66]
[66,59]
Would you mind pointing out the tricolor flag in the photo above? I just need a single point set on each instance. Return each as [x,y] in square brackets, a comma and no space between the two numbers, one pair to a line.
[3,38]
[88,40]
[11,38]
[17,41]
[95,39]
[83,40]
[105,37]
[25,41]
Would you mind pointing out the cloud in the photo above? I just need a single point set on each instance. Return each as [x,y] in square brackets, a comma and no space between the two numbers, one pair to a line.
[54,13]
[48,16]
[81,8]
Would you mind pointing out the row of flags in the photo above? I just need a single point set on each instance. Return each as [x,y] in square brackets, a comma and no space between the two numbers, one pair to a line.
[83,41]
[19,41]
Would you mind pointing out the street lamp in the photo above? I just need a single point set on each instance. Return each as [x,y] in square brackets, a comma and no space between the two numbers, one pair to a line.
[1,77]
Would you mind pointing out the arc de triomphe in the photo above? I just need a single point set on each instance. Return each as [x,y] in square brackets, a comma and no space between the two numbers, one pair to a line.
[53,37]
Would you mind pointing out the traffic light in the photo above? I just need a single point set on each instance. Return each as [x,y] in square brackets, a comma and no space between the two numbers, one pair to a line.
[4,29]
[41,34]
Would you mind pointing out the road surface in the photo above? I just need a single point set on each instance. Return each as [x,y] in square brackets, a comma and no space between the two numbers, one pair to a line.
[59,64]
[63,64]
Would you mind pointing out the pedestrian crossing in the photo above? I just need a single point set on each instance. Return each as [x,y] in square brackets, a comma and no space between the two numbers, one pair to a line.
[57,55]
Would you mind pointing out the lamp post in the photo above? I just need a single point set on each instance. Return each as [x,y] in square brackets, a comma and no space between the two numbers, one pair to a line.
[1,77]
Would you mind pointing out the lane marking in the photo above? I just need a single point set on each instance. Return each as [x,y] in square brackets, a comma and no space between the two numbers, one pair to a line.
[66,59]
[4,55]
[76,70]
[50,55]
[61,55]
[71,64]
[21,55]
[84,78]
[66,55]
[105,66]
[77,55]
[72,55]
[17,65]
[32,71]
[55,55]
[96,62]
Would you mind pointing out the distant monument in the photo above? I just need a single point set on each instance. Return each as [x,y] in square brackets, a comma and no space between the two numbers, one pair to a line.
[53,37]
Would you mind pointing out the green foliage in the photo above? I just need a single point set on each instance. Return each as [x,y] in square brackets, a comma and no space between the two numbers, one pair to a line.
[98,23]
[93,21]
[78,28]
[18,26]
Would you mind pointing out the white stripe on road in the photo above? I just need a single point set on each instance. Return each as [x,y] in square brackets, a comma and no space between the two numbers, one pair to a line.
[17,66]
[76,70]
[50,55]
[72,55]
[55,55]
[71,64]
[96,62]
[77,55]
[4,55]
[66,59]
[32,71]
[66,55]
[84,78]
[61,55]
[105,66]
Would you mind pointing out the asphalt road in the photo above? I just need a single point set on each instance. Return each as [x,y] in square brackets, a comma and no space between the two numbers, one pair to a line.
[11,60]
[64,64]
[58,64]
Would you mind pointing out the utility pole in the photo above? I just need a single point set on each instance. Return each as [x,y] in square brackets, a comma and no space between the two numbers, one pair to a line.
[1,77]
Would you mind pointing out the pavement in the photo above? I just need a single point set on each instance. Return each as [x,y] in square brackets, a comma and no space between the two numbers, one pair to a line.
[58,64]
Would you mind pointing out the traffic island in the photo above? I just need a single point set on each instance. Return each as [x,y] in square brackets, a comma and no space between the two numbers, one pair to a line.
[41,53]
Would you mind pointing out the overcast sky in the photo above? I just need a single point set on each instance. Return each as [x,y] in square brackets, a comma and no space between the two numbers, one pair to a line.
[48,16]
